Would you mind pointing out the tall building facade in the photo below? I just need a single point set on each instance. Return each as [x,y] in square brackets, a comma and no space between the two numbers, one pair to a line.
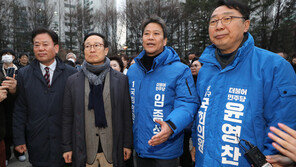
[70,19]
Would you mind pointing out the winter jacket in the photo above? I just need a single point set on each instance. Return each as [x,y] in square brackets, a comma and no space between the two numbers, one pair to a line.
[166,92]
[37,117]
[257,90]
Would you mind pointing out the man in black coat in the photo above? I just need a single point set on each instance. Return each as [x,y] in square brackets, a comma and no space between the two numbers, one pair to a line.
[38,109]
[97,120]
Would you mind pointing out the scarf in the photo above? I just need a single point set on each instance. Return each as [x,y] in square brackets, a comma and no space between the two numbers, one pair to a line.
[96,75]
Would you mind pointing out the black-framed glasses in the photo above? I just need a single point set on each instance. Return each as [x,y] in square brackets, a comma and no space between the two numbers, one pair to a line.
[224,20]
[95,46]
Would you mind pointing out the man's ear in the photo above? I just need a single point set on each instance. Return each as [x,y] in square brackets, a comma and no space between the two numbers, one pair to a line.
[165,41]
[247,25]
[56,48]
[106,50]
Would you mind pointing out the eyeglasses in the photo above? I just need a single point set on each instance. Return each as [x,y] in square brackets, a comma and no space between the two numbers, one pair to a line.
[95,46]
[224,20]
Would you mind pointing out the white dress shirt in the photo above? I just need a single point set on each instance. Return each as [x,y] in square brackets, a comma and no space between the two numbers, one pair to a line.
[52,67]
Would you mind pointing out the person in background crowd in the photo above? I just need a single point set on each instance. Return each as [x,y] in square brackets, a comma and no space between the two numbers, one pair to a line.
[116,63]
[97,123]
[71,57]
[195,67]
[125,60]
[23,60]
[37,116]
[3,96]
[283,55]
[70,63]
[163,98]
[9,70]
[131,61]
[191,56]
[243,90]
[7,58]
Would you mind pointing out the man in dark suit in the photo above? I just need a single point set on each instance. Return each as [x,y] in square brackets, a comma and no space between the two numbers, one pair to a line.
[97,121]
[37,113]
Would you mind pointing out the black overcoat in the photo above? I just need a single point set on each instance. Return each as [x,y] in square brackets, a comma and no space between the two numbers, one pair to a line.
[37,117]
[74,122]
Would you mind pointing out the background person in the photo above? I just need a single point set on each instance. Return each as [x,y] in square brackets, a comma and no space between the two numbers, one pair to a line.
[11,69]
[125,60]
[191,56]
[71,57]
[116,63]
[195,66]
[23,60]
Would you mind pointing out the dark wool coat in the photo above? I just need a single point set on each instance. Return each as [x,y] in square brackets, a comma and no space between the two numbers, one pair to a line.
[74,123]
[7,106]
[2,115]
[37,117]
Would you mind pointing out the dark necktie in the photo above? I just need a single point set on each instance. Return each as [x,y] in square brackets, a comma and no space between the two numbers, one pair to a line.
[46,76]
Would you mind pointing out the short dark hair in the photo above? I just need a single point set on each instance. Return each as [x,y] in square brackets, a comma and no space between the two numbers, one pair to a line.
[23,54]
[155,19]
[7,50]
[119,61]
[235,4]
[41,30]
[125,57]
[106,45]
[196,58]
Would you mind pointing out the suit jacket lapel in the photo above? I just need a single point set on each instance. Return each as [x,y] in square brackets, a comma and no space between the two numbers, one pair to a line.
[58,71]
[37,71]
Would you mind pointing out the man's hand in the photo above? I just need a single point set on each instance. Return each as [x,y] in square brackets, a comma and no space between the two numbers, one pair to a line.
[11,83]
[3,93]
[21,148]
[127,153]
[162,136]
[68,156]
[286,142]
[192,153]
[279,161]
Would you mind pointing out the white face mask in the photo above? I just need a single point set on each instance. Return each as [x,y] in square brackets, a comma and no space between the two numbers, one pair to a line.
[7,58]
[70,59]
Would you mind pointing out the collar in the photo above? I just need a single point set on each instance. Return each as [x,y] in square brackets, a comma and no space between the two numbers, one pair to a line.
[51,67]
[208,56]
